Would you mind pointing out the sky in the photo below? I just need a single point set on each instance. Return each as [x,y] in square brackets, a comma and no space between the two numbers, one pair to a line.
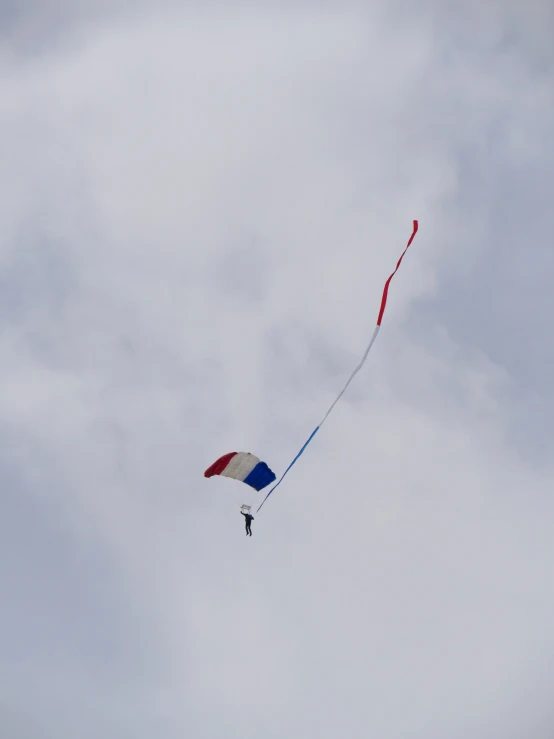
[200,204]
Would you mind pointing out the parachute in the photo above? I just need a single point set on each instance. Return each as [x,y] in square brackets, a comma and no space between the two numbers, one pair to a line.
[244,467]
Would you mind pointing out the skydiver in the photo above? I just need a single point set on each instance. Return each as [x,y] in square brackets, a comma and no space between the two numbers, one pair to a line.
[248,521]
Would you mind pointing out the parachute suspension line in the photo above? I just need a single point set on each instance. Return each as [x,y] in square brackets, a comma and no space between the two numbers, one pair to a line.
[360,365]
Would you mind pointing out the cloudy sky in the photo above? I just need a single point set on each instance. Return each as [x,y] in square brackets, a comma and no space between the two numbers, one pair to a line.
[200,203]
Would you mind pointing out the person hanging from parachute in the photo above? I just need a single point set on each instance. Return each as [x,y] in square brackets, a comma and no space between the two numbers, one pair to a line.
[247,468]
[248,521]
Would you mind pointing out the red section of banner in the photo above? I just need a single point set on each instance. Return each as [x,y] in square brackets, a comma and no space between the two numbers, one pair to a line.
[386,289]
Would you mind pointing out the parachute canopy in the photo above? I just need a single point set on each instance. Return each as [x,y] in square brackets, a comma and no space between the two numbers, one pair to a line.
[244,467]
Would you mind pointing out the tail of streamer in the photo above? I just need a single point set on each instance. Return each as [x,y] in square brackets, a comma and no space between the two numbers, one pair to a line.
[357,369]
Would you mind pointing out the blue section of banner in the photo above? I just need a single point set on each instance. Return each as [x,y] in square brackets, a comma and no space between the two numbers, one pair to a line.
[314,432]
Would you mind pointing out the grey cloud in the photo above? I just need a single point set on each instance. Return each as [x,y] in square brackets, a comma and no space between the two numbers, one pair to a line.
[200,210]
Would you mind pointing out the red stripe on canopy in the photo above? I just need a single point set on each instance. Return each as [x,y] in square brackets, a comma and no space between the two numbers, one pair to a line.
[219,465]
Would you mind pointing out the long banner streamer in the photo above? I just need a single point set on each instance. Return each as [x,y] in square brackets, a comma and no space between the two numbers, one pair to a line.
[358,368]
